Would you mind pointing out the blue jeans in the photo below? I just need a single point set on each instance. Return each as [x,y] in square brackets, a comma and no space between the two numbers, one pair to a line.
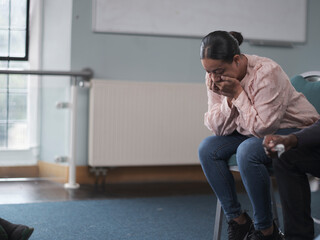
[214,153]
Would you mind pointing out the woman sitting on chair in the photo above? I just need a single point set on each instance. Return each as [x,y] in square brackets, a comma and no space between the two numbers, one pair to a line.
[248,97]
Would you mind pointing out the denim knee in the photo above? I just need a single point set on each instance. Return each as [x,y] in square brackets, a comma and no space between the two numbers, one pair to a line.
[250,152]
[204,150]
[216,148]
[243,154]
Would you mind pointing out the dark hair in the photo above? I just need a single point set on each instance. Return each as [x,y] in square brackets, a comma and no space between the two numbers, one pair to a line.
[221,45]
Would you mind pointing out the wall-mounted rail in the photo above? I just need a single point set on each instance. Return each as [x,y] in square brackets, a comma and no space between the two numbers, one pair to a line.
[85,75]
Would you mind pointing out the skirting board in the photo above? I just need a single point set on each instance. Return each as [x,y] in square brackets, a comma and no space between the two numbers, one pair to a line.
[19,171]
[59,173]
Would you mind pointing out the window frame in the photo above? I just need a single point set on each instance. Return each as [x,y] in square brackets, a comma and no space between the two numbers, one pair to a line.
[26,57]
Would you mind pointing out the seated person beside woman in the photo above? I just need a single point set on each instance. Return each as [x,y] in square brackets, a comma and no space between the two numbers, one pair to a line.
[301,157]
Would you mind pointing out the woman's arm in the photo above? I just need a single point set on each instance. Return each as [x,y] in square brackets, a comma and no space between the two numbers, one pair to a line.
[220,118]
[262,106]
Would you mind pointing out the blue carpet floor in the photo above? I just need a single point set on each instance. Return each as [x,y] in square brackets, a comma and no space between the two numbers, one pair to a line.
[157,218]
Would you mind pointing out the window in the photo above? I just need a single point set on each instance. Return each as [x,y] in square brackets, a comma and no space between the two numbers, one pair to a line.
[14,30]
[13,108]
[14,89]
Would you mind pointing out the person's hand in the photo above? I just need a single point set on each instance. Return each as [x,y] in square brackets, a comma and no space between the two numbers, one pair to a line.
[229,87]
[209,80]
[270,141]
[223,85]
[212,81]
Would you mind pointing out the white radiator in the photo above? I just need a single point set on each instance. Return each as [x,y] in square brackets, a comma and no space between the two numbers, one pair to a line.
[144,124]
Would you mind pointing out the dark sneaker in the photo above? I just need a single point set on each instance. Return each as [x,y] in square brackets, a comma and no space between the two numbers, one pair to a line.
[21,232]
[240,231]
[276,235]
[12,231]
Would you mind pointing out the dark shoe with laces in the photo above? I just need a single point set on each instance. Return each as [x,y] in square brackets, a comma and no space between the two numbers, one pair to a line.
[276,235]
[21,232]
[240,231]
[12,231]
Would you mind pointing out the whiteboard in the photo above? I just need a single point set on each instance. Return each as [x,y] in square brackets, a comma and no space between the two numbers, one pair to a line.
[265,20]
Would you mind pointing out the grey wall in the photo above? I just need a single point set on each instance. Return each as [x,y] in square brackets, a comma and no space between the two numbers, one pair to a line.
[168,59]
[151,58]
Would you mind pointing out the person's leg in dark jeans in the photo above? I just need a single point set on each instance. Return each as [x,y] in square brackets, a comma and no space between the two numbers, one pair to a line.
[290,171]
[251,160]
[214,153]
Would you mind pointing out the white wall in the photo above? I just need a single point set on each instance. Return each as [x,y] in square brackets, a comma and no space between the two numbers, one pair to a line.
[56,55]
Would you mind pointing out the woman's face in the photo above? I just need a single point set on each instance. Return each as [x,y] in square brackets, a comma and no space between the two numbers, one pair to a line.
[217,68]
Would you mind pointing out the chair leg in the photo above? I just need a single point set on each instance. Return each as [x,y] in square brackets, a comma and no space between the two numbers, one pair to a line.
[274,205]
[218,222]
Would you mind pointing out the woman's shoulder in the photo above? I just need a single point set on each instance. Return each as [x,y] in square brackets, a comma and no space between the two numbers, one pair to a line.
[260,66]
[257,62]
[264,72]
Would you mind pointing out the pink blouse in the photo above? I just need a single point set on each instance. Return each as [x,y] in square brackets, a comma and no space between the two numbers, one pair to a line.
[267,103]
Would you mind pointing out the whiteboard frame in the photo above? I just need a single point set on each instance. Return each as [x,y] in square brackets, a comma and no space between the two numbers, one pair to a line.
[286,24]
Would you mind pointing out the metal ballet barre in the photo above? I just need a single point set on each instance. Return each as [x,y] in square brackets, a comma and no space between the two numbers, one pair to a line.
[86,74]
